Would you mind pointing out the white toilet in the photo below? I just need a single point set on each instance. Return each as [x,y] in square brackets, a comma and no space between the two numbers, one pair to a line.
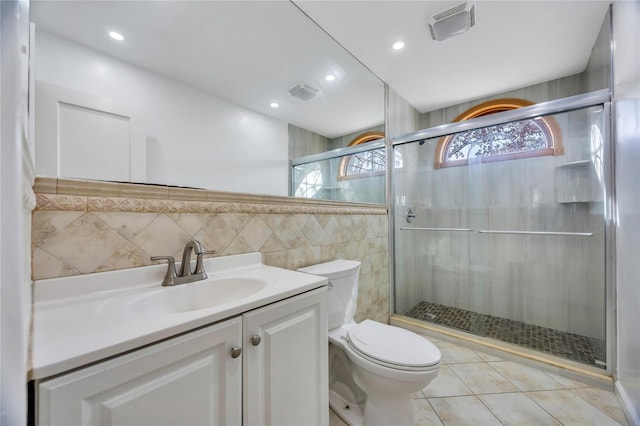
[374,368]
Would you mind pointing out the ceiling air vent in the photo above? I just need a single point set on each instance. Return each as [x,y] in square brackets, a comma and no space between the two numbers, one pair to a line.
[303,91]
[452,22]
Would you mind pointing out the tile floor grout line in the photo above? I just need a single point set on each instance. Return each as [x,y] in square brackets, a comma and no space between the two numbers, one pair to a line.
[435,412]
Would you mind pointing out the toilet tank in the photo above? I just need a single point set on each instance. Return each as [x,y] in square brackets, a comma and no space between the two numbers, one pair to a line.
[343,288]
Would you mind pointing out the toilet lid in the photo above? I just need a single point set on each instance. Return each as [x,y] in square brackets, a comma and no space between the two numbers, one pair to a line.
[393,345]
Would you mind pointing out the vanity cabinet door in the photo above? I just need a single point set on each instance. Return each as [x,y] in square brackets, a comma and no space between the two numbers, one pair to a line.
[285,362]
[188,380]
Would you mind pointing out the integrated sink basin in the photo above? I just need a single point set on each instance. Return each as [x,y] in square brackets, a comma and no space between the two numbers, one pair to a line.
[197,295]
[82,319]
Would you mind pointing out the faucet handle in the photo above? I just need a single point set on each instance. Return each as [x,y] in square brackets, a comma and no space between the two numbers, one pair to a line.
[170,275]
[199,264]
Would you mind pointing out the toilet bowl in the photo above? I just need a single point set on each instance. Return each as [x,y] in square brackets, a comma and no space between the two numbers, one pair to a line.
[374,368]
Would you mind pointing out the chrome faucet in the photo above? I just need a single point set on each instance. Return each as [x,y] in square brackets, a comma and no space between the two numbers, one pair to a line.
[186,274]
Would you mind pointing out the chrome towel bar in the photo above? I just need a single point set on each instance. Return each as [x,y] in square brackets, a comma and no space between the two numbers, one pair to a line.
[405,228]
[559,234]
[501,231]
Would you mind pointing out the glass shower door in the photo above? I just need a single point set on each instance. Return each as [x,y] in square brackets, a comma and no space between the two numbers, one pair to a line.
[509,238]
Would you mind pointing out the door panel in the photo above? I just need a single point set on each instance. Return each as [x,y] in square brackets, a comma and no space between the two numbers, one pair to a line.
[189,380]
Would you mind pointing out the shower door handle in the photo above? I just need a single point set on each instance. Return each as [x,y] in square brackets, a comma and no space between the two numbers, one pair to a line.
[410,215]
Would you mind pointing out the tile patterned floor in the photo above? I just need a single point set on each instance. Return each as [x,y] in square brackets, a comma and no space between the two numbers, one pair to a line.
[559,343]
[474,388]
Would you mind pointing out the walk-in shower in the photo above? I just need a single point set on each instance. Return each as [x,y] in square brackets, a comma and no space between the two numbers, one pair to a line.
[502,227]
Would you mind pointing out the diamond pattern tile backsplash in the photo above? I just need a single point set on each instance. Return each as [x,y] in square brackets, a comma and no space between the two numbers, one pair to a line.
[77,233]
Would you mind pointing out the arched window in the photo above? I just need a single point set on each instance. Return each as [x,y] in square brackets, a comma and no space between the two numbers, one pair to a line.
[363,164]
[518,139]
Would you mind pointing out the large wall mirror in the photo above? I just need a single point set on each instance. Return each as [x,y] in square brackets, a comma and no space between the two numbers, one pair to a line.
[208,94]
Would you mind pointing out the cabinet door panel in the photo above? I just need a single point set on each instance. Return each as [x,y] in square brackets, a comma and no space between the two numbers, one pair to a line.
[189,380]
[285,381]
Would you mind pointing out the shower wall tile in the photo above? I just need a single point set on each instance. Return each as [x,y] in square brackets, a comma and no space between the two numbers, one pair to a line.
[554,89]
[74,234]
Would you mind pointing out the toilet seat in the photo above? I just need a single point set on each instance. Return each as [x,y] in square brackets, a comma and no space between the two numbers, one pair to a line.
[392,347]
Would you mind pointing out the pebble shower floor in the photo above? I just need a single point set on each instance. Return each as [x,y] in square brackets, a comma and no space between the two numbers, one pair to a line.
[559,343]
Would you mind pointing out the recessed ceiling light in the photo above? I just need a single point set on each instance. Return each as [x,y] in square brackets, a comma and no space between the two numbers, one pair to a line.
[274,105]
[116,36]
[330,77]
[398,45]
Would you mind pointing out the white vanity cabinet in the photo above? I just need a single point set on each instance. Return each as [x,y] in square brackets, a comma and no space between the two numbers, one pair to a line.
[286,362]
[188,380]
[277,377]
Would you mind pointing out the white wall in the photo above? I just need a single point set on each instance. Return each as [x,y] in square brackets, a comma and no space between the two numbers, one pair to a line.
[14,220]
[193,138]
[626,35]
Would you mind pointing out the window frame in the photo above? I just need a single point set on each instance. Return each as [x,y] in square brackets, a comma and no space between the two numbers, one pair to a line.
[548,125]
[344,161]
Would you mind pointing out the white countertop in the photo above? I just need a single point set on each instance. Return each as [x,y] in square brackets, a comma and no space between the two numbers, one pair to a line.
[86,318]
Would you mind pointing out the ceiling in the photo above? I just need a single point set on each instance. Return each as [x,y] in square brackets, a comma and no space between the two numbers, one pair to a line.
[513,44]
[252,53]
[248,52]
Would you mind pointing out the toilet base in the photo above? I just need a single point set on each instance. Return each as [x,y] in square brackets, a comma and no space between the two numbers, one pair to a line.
[350,413]
[385,411]
[398,412]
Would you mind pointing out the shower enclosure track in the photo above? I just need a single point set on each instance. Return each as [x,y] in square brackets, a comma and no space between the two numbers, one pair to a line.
[597,97]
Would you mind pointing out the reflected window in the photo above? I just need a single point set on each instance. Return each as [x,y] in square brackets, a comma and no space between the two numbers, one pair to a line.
[519,139]
[310,184]
[367,163]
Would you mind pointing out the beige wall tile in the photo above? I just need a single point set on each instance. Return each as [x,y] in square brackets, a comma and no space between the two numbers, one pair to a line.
[48,266]
[290,236]
[46,224]
[128,256]
[256,233]
[84,244]
[162,237]
[126,224]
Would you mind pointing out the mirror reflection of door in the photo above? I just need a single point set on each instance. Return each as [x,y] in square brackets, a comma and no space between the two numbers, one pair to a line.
[83,136]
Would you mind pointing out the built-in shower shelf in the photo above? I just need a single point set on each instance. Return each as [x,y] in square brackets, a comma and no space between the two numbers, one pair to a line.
[575,164]
[578,182]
